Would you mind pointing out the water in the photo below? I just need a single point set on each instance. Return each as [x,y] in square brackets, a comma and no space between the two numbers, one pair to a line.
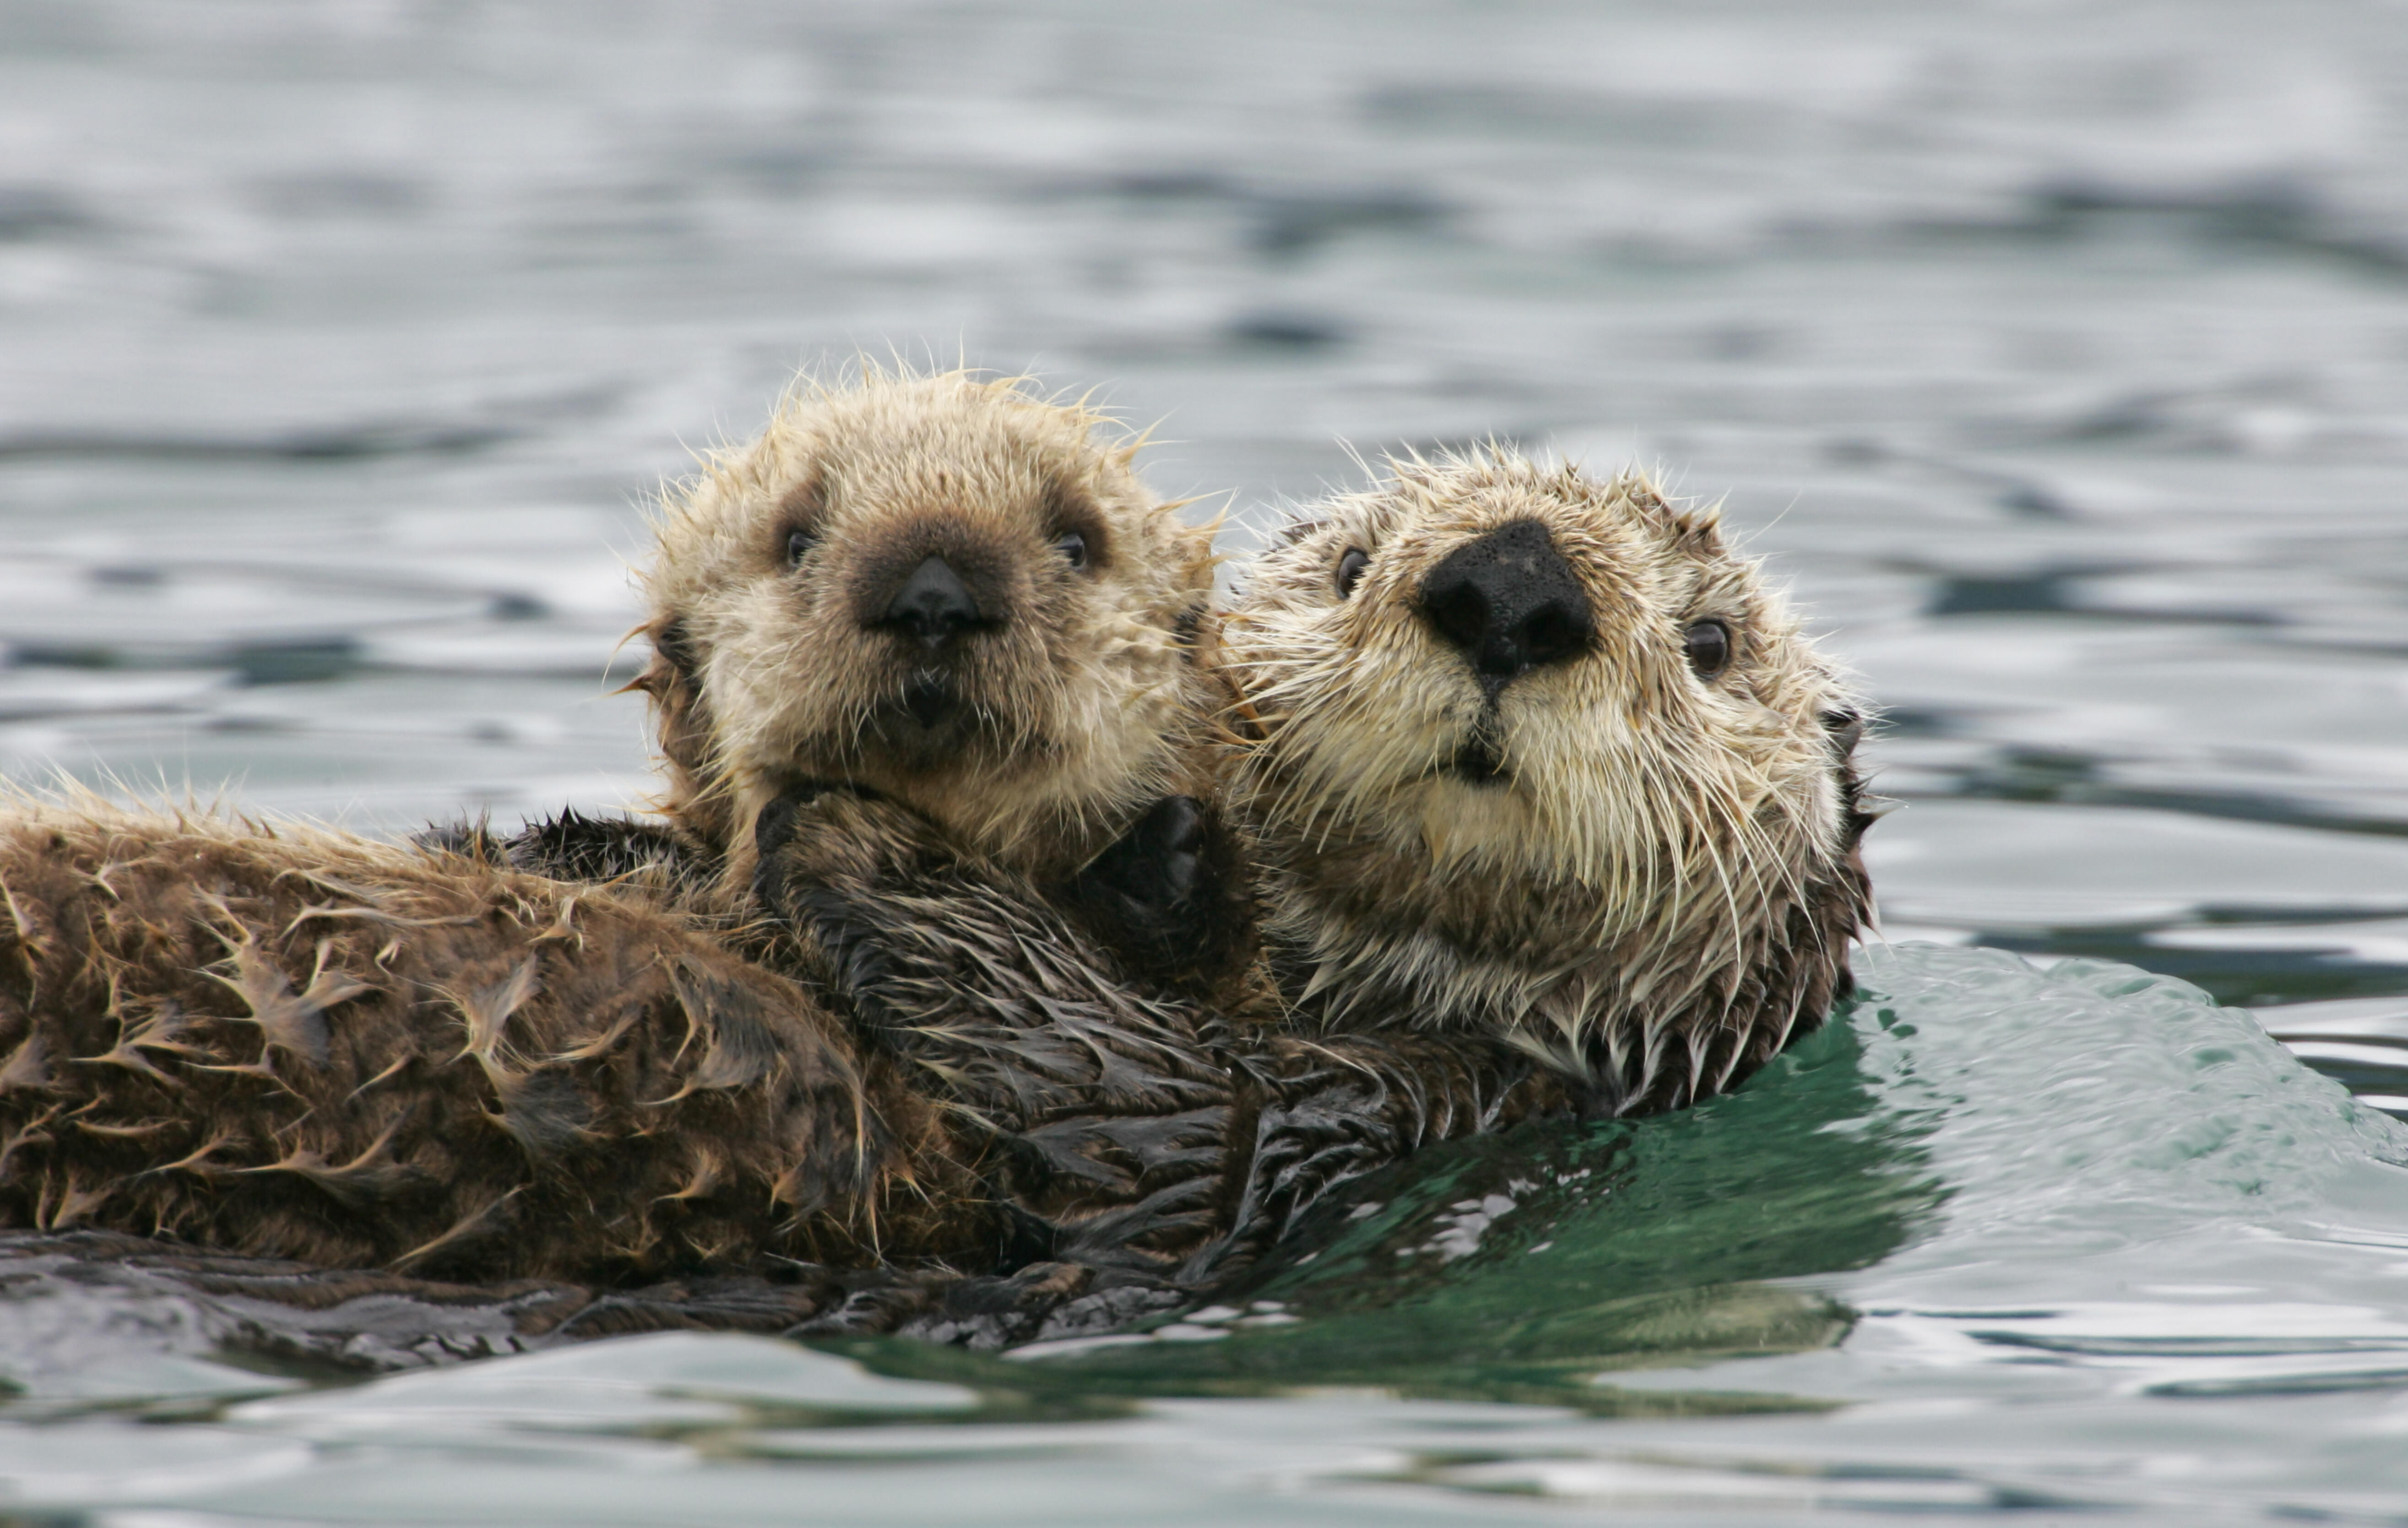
[2057,354]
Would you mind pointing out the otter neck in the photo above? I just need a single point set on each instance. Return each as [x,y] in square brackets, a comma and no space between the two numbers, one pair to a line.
[1651,1000]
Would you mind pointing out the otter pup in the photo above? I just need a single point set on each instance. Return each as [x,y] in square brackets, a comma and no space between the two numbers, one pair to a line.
[938,590]
[927,655]
[1540,758]
[943,591]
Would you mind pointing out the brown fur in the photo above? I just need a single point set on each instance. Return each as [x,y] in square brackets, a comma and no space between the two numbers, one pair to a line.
[299,1045]
[1138,1133]
[291,1044]
[490,1074]
[1658,885]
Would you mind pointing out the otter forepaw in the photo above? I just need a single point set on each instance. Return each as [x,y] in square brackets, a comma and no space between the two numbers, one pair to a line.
[821,834]
[774,829]
[1156,874]
[837,864]
[1170,898]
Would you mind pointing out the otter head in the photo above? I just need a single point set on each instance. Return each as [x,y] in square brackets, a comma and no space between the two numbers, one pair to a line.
[941,589]
[1541,753]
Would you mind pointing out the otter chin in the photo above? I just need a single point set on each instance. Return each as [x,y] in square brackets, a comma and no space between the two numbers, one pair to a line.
[1539,755]
[943,590]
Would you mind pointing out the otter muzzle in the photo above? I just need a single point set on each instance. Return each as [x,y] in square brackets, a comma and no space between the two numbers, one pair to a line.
[1509,603]
[934,606]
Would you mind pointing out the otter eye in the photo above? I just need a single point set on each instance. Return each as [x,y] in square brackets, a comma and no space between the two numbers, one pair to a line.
[798,543]
[1707,644]
[1073,548]
[1349,571]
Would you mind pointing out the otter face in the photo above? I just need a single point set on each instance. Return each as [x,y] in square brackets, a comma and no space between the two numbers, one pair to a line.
[1533,751]
[941,589]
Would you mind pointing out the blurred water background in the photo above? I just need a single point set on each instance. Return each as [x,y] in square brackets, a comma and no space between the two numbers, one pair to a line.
[2057,352]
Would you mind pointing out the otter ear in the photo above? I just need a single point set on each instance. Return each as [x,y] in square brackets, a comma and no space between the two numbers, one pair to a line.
[1693,530]
[1697,532]
[1845,727]
[1295,532]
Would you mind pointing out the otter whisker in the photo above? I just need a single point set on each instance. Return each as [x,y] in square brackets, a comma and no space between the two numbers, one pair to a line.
[1627,874]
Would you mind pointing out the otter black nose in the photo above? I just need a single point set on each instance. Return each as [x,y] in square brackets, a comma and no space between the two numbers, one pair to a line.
[1508,603]
[933,605]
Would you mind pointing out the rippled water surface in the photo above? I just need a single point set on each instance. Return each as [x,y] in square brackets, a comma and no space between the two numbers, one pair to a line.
[2056,354]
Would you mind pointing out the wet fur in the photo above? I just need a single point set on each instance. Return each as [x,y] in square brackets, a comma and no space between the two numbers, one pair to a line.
[1038,1066]
[296,1045]
[302,1046]
[524,1149]
[1143,1135]
[1658,888]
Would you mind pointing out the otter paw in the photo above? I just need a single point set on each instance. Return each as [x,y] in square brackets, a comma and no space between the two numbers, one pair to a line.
[849,839]
[837,866]
[1170,900]
[1156,870]
[774,829]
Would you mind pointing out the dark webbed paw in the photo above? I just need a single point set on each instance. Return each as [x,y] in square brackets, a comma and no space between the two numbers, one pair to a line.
[1154,876]
[1170,898]
[775,827]
[820,835]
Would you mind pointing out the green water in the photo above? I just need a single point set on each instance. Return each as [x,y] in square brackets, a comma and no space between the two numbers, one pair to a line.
[2001,1240]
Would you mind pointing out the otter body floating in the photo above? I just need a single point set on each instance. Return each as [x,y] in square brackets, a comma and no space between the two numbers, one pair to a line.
[999,1014]
[939,592]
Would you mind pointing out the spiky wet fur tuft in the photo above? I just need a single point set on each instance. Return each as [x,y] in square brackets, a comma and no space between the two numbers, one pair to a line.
[1658,887]
[294,1043]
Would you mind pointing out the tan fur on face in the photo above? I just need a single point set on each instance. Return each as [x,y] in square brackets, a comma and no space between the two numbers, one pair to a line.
[1084,700]
[1661,866]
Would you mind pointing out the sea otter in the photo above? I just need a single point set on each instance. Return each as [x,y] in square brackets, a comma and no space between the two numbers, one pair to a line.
[1539,757]
[1555,808]
[1053,1106]
[950,595]
[940,592]
[929,656]
[934,680]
